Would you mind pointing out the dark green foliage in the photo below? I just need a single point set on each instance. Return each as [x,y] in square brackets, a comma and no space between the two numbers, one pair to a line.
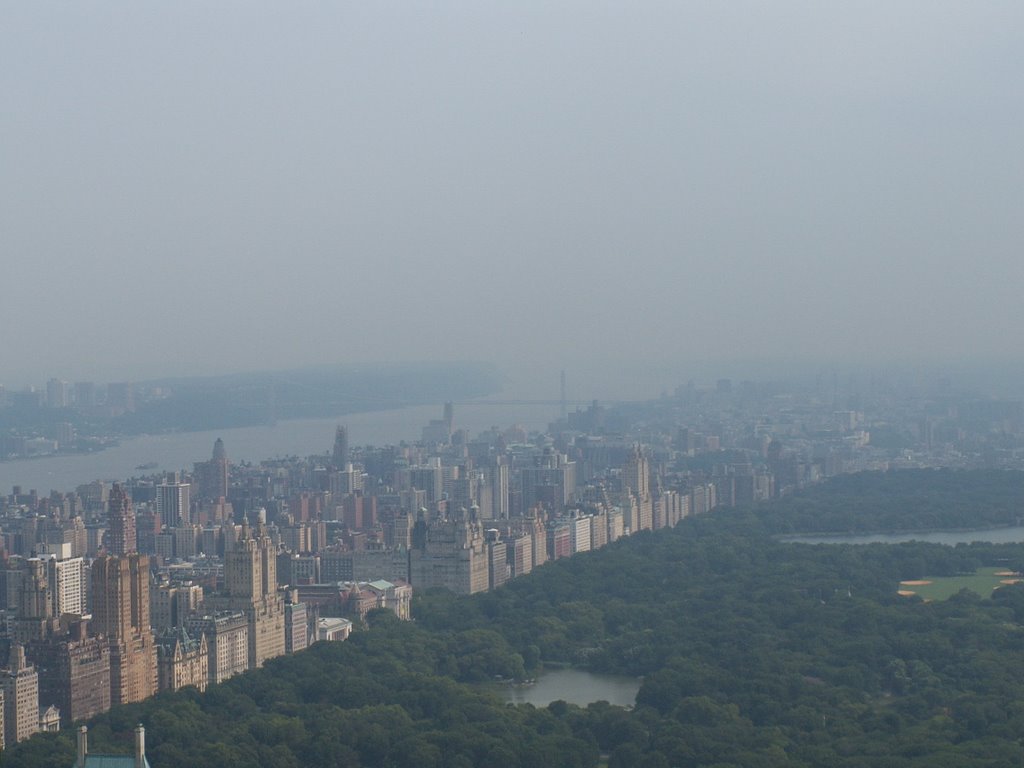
[754,653]
[910,500]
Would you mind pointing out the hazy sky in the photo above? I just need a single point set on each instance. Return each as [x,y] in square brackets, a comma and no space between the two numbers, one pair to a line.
[196,187]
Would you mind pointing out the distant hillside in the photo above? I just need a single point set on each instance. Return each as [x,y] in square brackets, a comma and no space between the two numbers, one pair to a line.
[257,398]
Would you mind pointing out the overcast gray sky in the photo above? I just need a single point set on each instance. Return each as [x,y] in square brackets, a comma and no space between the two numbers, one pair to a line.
[197,187]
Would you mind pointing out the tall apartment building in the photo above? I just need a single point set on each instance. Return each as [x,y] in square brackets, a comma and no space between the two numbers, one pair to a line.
[173,500]
[520,555]
[450,552]
[67,585]
[250,586]
[30,593]
[58,393]
[120,609]
[227,638]
[498,572]
[213,476]
[296,626]
[579,533]
[120,522]
[636,482]
[74,674]
[551,481]
[499,475]
[340,453]
[20,684]
[170,603]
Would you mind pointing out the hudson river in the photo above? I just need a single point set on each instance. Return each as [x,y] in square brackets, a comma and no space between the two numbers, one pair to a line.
[301,437]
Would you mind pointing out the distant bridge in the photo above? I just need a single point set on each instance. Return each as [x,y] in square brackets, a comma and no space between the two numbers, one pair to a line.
[567,403]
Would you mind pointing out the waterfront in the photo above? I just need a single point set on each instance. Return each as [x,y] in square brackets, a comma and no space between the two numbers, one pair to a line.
[1009,535]
[576,686]
[300,437]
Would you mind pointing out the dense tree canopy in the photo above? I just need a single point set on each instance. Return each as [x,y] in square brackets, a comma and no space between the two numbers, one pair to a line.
[754,652]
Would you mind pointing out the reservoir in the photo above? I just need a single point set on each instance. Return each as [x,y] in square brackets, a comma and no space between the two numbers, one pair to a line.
[1010,535]
[576,686]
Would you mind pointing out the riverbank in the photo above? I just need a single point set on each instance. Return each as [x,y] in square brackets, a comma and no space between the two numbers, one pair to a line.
[299,437]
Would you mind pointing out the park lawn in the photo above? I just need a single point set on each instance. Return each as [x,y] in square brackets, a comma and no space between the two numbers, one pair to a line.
[982,581]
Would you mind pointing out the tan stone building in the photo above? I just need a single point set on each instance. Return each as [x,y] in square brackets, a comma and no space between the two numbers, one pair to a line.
[250,586]
[450,552]
[182,660]
[227,640]
[20,685]
[120,609]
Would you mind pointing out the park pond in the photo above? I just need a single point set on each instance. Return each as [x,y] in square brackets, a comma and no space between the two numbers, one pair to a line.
[576,686]
[1008,535]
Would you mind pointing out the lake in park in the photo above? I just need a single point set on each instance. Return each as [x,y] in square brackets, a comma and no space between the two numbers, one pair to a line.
[576,686]
[1010,535]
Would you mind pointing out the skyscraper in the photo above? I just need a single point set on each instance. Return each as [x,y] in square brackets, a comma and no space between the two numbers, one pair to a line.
[213,476]
[120,609]
[250,586]
[341,448]
[66,580]
[121,522]
[173,502]
[499,489]
[636,480]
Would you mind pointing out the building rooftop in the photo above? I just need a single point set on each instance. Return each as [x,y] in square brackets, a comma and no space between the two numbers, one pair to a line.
[111,761]
[86,760]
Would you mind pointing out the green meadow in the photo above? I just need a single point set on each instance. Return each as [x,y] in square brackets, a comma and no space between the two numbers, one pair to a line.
[982,581]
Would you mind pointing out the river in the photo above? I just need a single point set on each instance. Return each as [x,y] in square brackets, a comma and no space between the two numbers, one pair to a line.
[299,437]
[1010,535]
[576,686]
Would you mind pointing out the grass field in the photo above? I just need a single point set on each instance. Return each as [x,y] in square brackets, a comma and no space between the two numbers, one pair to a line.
[982,581]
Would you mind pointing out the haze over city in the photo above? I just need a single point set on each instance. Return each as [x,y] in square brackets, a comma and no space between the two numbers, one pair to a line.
[196,188]
[579,384]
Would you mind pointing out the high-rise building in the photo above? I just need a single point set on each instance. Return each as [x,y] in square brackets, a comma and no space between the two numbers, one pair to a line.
[429,479]
[170,603]
[121,522]
[67,585]
[450,552]
[636,473]
[499,490]
[58,393]
[173,503]
[120,609]
[20,685]
[340,447]
[636,481]
[213,476]
[74,674]
[33,598]
[250,586]
[295,622]
[551,481]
